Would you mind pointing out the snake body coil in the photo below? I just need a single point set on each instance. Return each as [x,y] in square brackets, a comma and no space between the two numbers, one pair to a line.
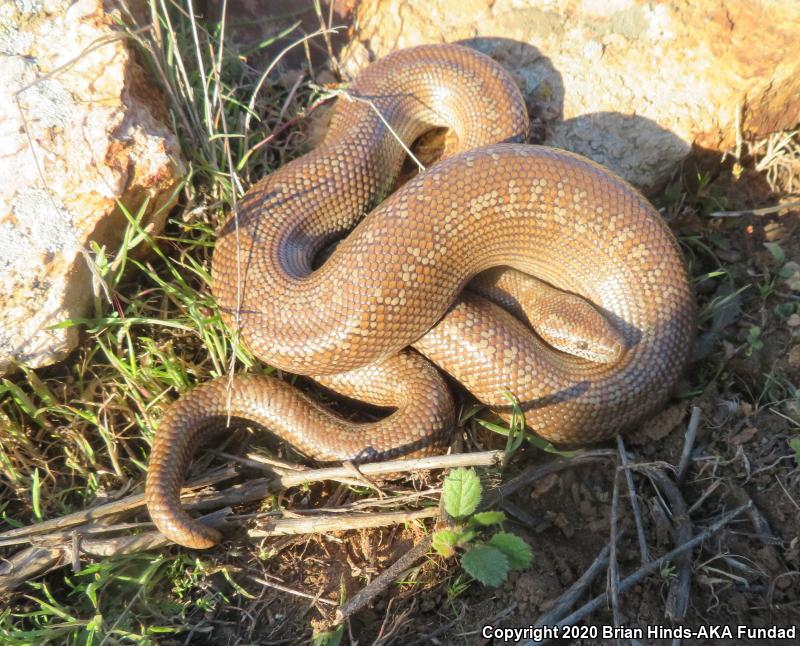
[592,241]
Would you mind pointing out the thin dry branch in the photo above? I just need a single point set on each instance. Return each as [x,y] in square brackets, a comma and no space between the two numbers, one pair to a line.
[765,211]
[249,491]
[493,497]
[680,587]
[644,551]
[643,572]
[126,504]
[36,560]
[575,591]
[339,522]
[383,580]
[613,562]
[27,564]
[292,591]
[482,459]
[688,444]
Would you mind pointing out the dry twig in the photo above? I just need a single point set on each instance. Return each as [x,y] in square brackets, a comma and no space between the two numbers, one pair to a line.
[339,522]
[613,563]
[637,514]
[645,571]
[383,580]
[688,444]
[680,587]
[575,591]
[765,211]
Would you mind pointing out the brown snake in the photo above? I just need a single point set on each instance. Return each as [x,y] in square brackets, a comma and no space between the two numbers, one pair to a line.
[612,280]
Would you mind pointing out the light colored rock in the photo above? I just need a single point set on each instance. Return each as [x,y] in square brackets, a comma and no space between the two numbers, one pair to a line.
[79,134]
[630,83]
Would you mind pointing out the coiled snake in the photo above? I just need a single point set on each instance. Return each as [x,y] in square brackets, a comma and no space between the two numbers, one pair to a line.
[611,304]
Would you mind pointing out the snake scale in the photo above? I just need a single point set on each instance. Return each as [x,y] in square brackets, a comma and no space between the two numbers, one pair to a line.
[607,280]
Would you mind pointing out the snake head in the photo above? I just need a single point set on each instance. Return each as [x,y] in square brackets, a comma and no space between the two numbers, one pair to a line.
[573,325]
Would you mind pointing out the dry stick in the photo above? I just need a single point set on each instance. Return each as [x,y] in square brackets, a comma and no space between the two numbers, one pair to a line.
[297,593]
[485,458]
[763,530]
[680,588]
[118,506]
[765,211]
[757,519]
[522,515]
[575,591]
[144,541]
[613,563]
[643,572]
[383,580]
[393,572]
[688,444]
[338,523]
[57,537]
[37,560]
[709,490]
[362,478]
[26,564]
[250,490]
[644,551]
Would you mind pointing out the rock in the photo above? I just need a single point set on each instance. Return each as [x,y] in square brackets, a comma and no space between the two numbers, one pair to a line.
[82,129]
[630,83]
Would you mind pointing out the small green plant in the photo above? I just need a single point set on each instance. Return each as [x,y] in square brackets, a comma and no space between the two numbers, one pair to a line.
[794,444]
[457,587]
[515,431]
[708,197]
[329,637]
[754,341]
[487,556]
[668,571]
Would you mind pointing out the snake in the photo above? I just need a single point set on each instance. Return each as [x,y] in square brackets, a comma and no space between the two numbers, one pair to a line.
[520,270]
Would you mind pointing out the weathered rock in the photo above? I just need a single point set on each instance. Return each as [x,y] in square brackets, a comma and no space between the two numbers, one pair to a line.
[629,83]
[80,134]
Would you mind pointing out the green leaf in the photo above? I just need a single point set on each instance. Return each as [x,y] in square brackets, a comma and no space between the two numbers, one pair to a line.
[777,252]
[517,551]
[794,444]
[535,440]
[329,638]
[789,269]
[462,492]
[36,491]
[444,542]
[486,564]
[516,425]
[489,517]
[672,193]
